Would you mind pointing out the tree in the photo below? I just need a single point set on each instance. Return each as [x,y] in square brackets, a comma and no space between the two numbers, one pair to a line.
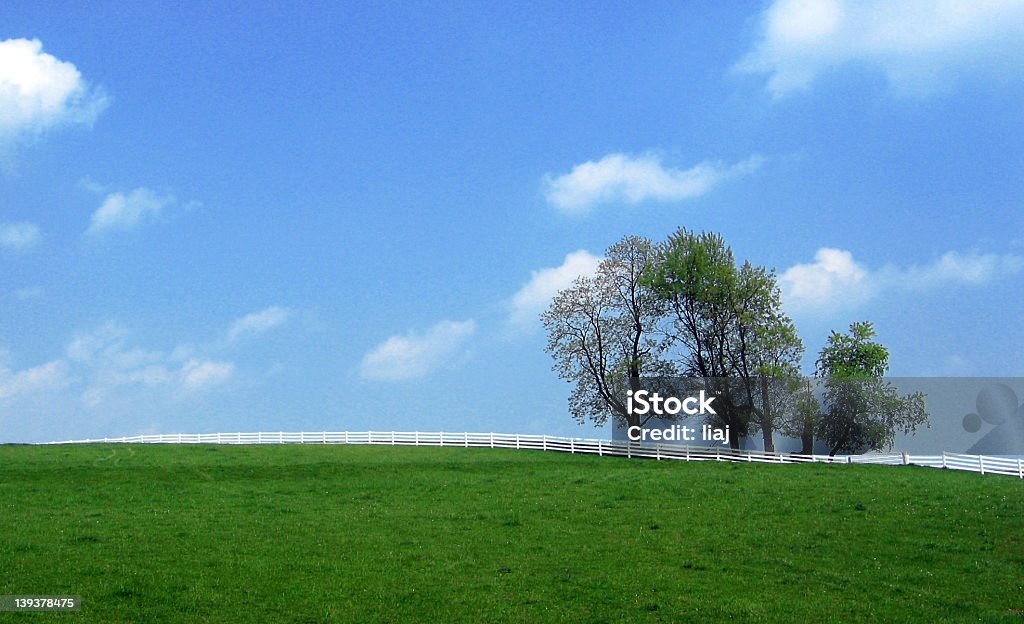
[602,334]
[728,329]
[861,410]
[775,353]
[803,417]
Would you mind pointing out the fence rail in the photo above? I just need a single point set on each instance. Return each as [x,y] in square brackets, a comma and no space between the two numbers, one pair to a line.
[982,464]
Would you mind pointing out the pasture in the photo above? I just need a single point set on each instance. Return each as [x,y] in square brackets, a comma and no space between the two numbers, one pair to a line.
[335,533]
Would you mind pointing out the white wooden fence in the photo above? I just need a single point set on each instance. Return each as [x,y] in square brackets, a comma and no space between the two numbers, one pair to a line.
[955,461]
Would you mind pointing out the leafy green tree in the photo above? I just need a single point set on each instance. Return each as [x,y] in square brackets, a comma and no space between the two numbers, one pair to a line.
[776,354]
[861,410]
[602,333]
[727,328]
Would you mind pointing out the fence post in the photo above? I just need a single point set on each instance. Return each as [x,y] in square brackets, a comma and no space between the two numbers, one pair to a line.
[629,450]
[1020,468]
[544,442]
[492,439]
[906,459]
[718,454]
[981,464]
[572,446]
[600,451]
[943,459]
[657,451]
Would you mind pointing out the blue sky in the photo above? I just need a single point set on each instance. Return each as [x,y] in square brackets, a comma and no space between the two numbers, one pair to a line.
[347,216]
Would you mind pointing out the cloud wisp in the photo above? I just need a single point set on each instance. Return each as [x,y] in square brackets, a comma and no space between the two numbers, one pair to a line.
[127,211]
[41,379]
[109,366]
[256,323]
[836,281]
[196,374]
[19,236]
[921,46]
[102,370]
[29,292]
[105,364]
[417,355]
[623,178]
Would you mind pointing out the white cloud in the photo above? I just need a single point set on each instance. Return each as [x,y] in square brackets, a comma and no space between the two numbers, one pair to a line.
[44,378]
[199,374]
[105,379]
[93,345]
[836,281]
[633,179]
[19,236]
[120,211]
[956,268]
[258,322]
[920,45]
[536,295]
[110,365]
[39,92]
[417,355]
[832,281]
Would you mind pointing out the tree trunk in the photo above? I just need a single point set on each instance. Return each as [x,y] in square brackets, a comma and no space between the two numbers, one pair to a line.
[766,418]
[767,436]
[634,386]
[807,439]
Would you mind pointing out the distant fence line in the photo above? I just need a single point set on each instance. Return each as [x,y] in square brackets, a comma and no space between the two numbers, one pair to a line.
[955,461]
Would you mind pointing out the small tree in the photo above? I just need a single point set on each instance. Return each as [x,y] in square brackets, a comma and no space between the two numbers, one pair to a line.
[803,416]
[776,354]
[862,411]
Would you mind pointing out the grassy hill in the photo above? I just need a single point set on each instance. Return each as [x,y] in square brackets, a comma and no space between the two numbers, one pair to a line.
[391,534]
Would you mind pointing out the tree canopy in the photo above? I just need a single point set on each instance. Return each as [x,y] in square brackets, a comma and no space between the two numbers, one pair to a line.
[653,314]
[726,326]
[861,410]
[602,333]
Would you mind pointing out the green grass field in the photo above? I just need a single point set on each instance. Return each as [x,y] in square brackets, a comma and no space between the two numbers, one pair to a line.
[390,534]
